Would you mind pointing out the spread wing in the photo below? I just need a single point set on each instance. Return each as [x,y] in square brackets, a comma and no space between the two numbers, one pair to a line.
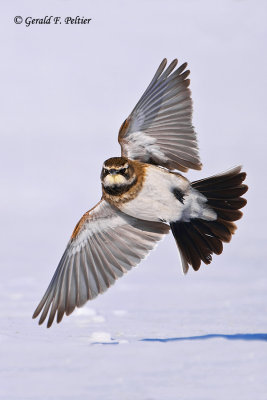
[159,129]
[105,244]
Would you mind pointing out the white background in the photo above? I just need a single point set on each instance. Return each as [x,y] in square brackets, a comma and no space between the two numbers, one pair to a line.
[65,90]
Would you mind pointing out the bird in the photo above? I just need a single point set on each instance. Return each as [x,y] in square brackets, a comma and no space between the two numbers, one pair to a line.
[144,197]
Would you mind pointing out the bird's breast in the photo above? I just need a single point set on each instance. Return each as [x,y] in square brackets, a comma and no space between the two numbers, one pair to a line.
[156,201]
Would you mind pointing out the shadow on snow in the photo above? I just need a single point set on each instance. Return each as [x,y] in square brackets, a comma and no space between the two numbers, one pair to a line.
[236,336]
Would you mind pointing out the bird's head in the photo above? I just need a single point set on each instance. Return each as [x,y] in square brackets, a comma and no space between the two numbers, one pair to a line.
[117,175]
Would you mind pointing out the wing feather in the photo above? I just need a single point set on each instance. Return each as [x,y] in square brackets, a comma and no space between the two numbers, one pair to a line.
[105,244]
[164,111]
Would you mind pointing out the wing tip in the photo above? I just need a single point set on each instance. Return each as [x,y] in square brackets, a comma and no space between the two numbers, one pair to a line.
[49,323]
[34,315]
[164,62]
[174,62]
[37,311]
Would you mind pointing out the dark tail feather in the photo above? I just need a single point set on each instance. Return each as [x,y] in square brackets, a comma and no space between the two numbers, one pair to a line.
[198,239]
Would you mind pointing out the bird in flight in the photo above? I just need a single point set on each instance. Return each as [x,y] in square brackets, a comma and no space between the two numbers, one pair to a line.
[144,197]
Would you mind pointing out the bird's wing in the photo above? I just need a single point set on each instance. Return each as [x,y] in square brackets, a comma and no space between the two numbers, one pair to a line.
[159,129]
[105,244]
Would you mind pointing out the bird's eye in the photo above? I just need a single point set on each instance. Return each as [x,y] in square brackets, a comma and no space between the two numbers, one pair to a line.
[123,170]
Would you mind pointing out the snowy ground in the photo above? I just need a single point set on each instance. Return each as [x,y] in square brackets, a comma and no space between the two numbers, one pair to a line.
[65,91]
[154,335]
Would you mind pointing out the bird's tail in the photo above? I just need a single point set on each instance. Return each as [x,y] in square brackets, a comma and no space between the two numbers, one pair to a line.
[198,239]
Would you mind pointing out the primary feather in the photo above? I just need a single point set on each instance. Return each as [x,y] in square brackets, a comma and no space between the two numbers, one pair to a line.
[159,129]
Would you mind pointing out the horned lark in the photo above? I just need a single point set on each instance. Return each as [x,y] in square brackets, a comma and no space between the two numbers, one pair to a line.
[143,198]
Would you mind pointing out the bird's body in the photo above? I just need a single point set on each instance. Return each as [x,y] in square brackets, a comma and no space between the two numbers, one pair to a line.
[155,201]
[143,198]
[157,195]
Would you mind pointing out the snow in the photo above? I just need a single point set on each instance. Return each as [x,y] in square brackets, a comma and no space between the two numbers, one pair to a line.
[202,336]
[156,334]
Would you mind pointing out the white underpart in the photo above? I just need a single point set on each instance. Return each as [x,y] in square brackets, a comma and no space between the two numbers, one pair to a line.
[142,146]
[196,207]
[157,202]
